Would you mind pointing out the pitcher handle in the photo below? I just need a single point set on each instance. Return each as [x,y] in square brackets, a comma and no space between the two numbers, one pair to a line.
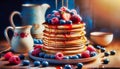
[6,33]
[11,18]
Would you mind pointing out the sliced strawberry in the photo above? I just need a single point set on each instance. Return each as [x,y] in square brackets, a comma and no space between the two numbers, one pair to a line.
[66,16]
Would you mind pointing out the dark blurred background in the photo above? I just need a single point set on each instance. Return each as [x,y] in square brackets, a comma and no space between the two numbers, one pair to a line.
[99,15]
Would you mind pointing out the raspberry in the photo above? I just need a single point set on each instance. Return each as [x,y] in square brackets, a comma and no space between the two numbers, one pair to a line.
[85,54]
[91,48]
[36,52]
[59,56]
[55,20]
[76,18]
[8,55]
[14,60]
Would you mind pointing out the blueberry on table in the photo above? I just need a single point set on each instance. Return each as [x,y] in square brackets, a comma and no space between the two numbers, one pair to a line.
[45,63]
[36,63]
[66,57]
[92,54]
[106,54]
[79,65]
[25,62]
[106,61]
[103,49]
[41,54]
[75,57]
[98,47]
[46,56]
[21,56]
[113,52]
[79,55]
[67,66]
[52,56]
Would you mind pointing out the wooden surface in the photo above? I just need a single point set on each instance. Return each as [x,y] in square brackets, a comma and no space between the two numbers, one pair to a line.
[114,60]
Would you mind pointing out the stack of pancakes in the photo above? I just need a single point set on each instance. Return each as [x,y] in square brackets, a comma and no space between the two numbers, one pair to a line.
[68,39]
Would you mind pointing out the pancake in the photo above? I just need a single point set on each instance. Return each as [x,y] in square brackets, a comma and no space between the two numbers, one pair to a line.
[73,26]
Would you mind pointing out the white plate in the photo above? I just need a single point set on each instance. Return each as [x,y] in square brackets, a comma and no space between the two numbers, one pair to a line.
[64,61]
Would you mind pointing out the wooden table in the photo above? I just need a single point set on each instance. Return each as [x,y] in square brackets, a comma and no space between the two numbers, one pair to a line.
[114,60]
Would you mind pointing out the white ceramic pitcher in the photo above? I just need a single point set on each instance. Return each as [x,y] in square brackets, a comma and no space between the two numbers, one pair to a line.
[32,14]
[22,40]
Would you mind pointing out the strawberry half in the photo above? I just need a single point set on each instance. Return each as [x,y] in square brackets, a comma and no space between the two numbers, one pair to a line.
[66,16]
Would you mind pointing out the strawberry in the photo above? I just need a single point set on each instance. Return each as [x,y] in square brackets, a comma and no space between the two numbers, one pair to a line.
[76,18]
[66,16]
[85,54]
[91,48]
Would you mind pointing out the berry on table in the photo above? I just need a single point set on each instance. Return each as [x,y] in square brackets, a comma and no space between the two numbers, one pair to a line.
[75,57]
[59,56]
[92,54]
[14,60]
[41,54]
[36,52]
[79,55]
[67,66]
[8,55]
[106,54]
[66,57]
[85,54]
[103,49]
[113,52]
[98,47]
[36,63]
[21,56]
[106,61]
[25,62]
[79,65]
[45,63]
[52,56]
[46,56]
[91,48]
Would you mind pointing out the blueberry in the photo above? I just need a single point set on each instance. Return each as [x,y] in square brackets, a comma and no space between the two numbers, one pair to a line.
[45,63]
[62,22]
[75,57]
[21,56]
[79,65]
[79,55]
[106,54]
[112,52]
[103,49]
[40,41]
[98,47]
[69,22]
[25,62]
[106,61]
[52,56]
[48,21]
[36,41]
[36,63]
[93,54]
[42,54]
[70,57]
[46,56]
[67,66]
[66,57]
